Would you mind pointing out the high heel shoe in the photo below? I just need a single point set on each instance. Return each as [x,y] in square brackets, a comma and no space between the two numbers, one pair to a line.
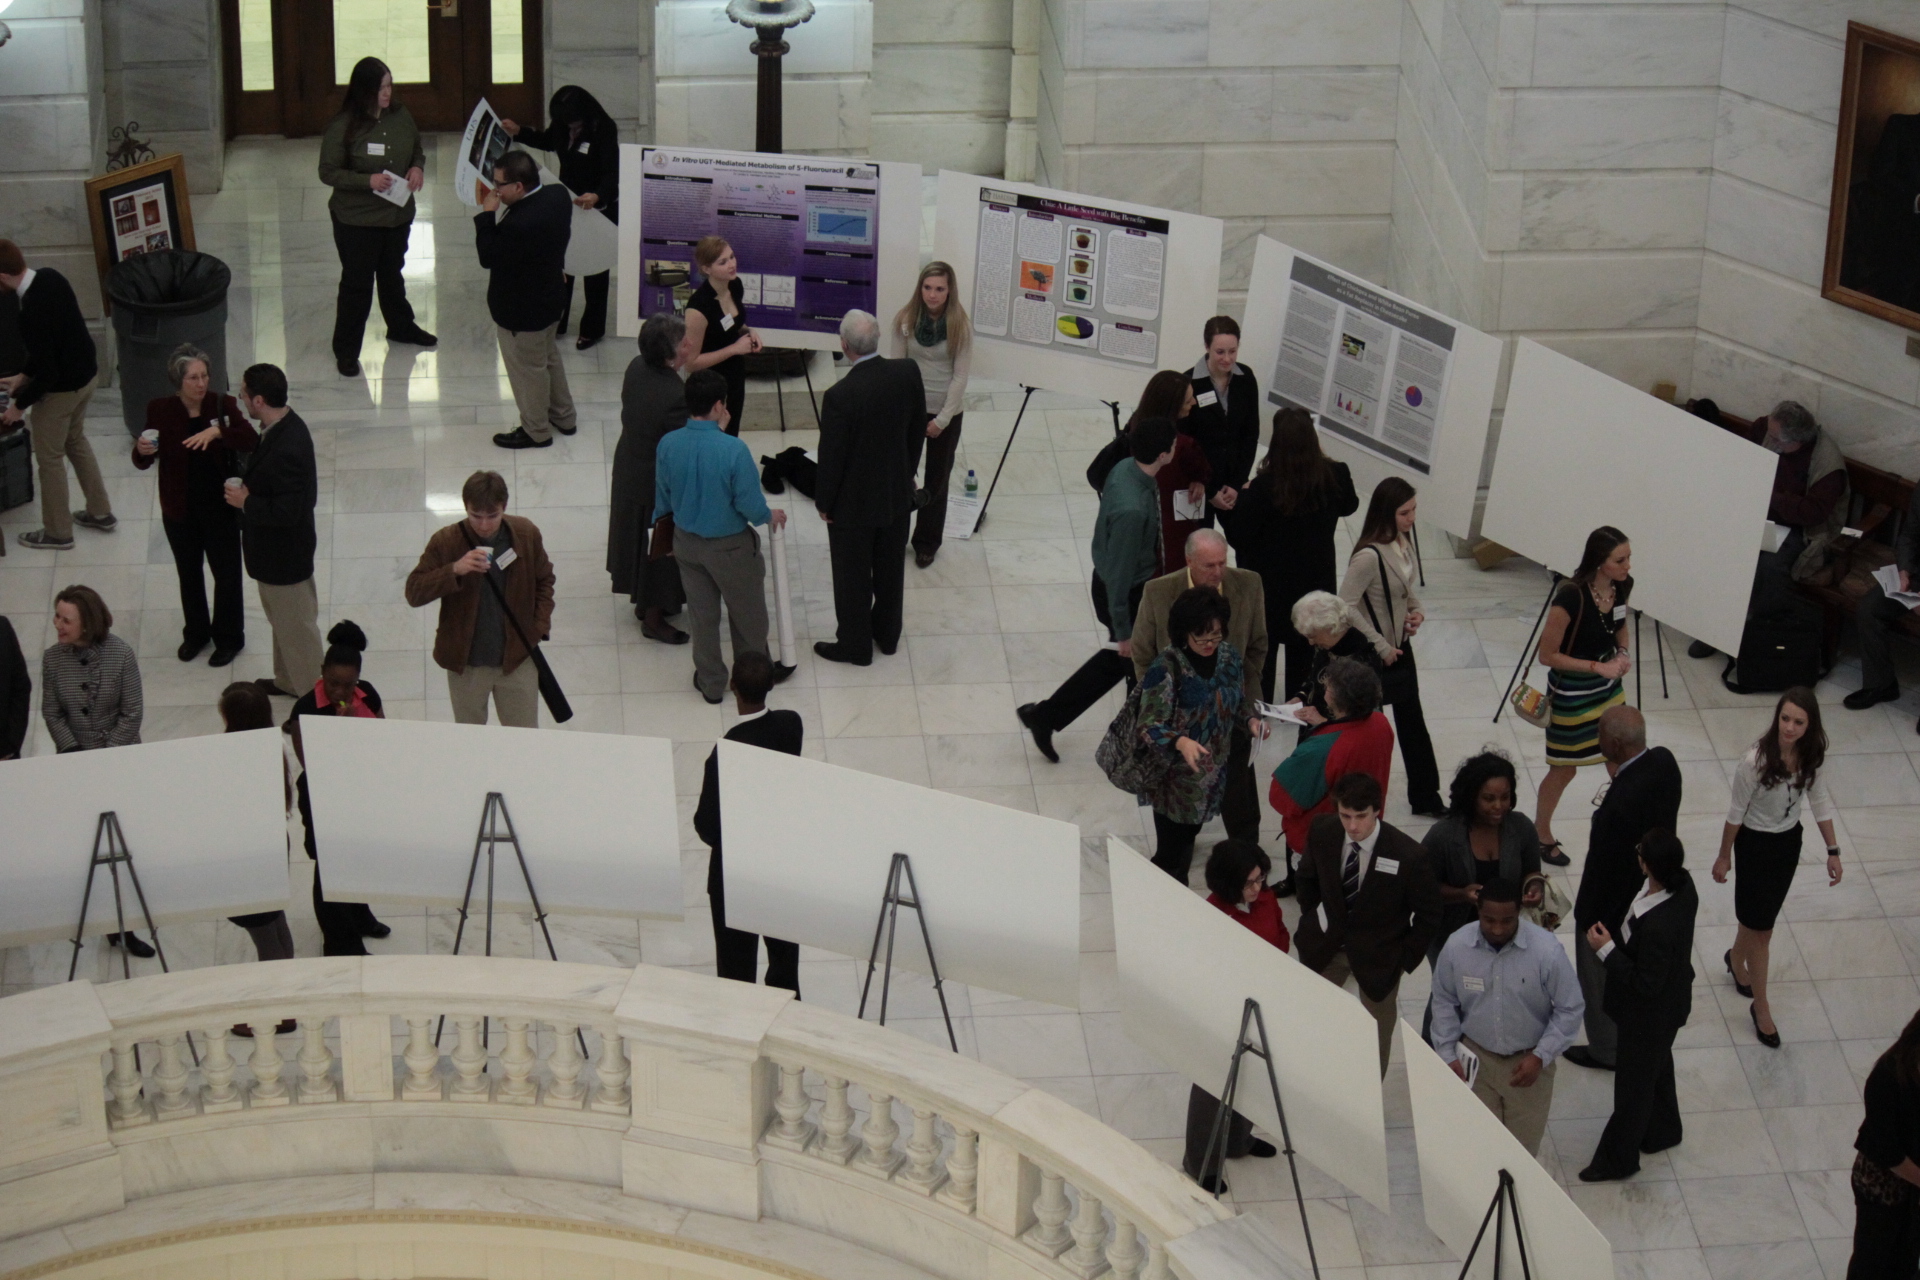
[1771,1039]
[1554,856]
[1738,985]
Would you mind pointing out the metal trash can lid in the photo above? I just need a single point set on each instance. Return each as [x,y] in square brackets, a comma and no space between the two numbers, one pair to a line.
[169,282]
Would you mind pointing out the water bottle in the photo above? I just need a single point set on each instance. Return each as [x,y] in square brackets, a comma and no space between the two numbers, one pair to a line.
[973,484]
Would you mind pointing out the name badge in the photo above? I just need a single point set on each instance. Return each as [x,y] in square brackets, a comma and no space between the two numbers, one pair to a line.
[1321,916]
[507,559]
[583,147]
[1468,983]
[376,148]
[1206,399]
[1619,613]
[726,322]
[1387,866]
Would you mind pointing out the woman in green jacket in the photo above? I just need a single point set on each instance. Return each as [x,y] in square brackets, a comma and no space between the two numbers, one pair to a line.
[370,153]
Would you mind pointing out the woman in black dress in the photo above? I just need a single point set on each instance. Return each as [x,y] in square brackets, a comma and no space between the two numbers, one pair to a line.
[1886,1168]
[583,135]
[1282,527]
[717,324]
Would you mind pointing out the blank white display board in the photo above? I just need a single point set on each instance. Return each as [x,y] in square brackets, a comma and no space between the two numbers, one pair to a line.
[1186,973]
[205,819]
[397,804]
[1073,255]
[1449,480]
[1462,1148]
[1579,449]
[808,848]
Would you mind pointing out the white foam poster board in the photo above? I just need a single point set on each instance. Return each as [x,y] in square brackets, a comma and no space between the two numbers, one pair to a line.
[397,804]
[1462,1148]
[1186,972]
[1396,388]
[205,819]
[815,236]
[1579,449]
[808,847]
[1074,293]
[481,145]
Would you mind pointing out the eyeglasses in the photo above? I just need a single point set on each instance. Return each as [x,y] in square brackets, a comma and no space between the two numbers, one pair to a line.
[1258,877]
[1211,640]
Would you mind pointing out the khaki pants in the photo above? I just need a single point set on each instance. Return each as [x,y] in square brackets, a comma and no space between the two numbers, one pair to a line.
[58,423]
[516,697]
[293,611]
[1522,1111]
[713,570]
[1385,1012]
[538,379]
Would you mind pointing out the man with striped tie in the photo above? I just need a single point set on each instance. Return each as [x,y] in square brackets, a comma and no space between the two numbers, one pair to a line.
[1368,901]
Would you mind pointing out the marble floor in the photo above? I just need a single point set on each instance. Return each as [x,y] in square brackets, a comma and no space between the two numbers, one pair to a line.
[1758,1189]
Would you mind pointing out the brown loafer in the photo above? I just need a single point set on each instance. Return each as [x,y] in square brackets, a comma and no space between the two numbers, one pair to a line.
[664,633]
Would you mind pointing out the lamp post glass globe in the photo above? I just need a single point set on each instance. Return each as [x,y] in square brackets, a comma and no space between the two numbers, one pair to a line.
[769,13]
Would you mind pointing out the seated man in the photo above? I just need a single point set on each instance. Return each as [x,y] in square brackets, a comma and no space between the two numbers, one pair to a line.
[1877,614]
[1809,497]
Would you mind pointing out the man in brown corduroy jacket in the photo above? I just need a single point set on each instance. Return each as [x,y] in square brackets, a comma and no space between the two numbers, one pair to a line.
[475,642]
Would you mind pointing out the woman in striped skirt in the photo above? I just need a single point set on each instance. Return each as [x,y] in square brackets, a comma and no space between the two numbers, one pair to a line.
[1584,648]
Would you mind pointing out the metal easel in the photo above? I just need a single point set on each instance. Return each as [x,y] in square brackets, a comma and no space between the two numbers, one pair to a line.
[110,851]
[1113,406]
[890,903]
[1216,1152]
[1505,1199]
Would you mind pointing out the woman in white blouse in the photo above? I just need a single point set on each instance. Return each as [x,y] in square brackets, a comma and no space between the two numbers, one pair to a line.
[932,329]
[1762,839]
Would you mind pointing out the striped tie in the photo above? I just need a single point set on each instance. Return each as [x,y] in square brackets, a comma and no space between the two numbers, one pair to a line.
[1350,878]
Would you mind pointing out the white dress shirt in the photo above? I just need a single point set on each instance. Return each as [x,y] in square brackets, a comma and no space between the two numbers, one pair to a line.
[1649,899]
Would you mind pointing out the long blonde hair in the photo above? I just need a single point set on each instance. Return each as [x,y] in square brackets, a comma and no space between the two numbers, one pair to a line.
[959,330]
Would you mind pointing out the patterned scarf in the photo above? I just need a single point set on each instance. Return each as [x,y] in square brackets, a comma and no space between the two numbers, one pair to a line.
[932,330]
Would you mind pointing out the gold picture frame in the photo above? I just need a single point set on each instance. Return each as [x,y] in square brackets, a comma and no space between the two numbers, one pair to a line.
[140,209]
[1873,221]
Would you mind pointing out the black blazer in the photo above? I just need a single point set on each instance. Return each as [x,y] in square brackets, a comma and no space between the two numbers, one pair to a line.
[16,691]
[276,525]
[1229,437]
[1650,974]
[1386,930]
[1645,796]
[872,424]
[1292,553]
[775,731]
[526,252]
[60,355]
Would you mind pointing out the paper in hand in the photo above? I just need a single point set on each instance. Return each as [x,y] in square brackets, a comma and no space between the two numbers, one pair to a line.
[396,192]
[1888,576]
[1469,1062]
[1286,713]
[1185,508]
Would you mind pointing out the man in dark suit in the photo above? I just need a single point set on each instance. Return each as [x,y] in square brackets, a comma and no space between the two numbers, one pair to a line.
[1368,901]
[872,425]
[735,952]
[1649,994]
[524,247]
[277,536]
[1643,796]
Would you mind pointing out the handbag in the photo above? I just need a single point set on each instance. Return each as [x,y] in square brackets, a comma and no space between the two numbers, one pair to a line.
[1130,762]
[660,542]
[1535,706]
[550,691]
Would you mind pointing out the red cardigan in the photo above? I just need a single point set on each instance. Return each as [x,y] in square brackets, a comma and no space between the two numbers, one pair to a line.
[1302,787]
[190,477]
[1262,916]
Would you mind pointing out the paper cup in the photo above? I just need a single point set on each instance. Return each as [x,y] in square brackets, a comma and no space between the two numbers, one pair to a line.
[150,436]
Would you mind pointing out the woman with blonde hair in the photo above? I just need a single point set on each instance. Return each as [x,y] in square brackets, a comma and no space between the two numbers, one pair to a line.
[717,324]
[933,331]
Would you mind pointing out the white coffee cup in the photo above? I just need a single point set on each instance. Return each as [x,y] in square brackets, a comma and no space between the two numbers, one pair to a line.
[234,482]
[150,436]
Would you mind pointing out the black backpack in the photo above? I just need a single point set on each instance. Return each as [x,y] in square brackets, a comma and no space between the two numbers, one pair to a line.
[1110,456]
[1780,648]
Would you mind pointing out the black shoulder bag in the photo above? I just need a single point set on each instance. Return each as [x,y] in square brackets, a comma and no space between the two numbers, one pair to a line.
[550,691]
[1393,677]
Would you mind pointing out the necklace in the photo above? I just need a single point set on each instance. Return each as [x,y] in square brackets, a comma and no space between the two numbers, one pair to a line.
[1602,603]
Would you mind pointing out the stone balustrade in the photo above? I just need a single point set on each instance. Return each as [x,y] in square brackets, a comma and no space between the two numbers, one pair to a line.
[670,1087]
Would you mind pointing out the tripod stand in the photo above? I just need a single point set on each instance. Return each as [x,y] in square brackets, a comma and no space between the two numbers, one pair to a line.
[1113,406]
[1505,1199]
[889,922]
[110,851]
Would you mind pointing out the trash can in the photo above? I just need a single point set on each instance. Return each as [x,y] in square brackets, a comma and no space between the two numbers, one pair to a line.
[161,300]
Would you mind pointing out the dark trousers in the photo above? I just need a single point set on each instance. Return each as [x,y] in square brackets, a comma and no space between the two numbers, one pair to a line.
[1401,684]
[1877,617]
[212,537]
[1203,1111]
[1886,1241]
[272,939]
[1084,687]
[369,256]
[869,585]
[736,953]
[737,397]
[1603,1036]
[1299,655]
[593,312]
[931,525]
[342,924]
[1240,806]
[1646,1110]
[1173,845]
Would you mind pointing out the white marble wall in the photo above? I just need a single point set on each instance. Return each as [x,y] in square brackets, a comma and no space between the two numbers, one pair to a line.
[605,47]
[942,82]
[162,68]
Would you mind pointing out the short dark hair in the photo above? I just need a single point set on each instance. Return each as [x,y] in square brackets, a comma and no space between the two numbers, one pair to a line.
[704,390]
[244,705]
[1500,889]
[1358,791]
[268,381]
[1665,857]
[12,261]
[345,643]
[1219,325]
[96,620]
[1151,437]
[753,676]
[484,491]
[1354,685]
[1229,865]
[1194,611]
[517,166]
[660,337]
[1474,773]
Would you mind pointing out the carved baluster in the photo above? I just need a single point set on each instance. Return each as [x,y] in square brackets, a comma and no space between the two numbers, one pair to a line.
[1124,1254]
[1157,1266]
[469,1062]
[268,1089]
[128,1110]
[791,1131]
[963,1171]
[923,1172]
[1088,1257]
[170,1081]
[316,1062]
[516,1061]
[836,1124]
[423,1062]
[565,1063]
[1050,1235]
[878,1156]
[614,1092]
[216,1068]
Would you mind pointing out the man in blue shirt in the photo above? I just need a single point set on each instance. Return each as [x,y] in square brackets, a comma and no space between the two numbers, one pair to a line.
[705,479]
[1504,988]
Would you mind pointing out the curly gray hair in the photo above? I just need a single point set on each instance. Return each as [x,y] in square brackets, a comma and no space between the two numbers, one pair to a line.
[1319,611]
[1795,420]
[184,355]
[1352,687]
[660,337]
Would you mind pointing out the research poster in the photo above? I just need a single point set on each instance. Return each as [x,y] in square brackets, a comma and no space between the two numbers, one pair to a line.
[481,145]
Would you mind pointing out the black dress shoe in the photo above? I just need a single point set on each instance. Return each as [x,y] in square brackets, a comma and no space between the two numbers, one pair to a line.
[273,690]
[1214,1186]
[714,699]
[519,439]
[132,943]
[922,559]
[349,368]
[1262,1149]
[1594,1173]
[1738,985]
[415,337]
[286,1027]
[1698,649]
[376,929]
[1771,1039]
[1042,735]
[782,672]
[1581,1056]
[834,653]
[223,657]
[1861,699]
[583,342]
[190,649]
[1434,808]
[664,633]
[1285,888]
[1554,855]
[888,650]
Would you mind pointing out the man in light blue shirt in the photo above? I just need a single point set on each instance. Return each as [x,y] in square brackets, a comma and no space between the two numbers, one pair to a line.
[1504,989]
[705,479]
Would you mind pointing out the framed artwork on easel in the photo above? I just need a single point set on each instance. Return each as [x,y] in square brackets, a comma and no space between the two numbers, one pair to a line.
[140,209]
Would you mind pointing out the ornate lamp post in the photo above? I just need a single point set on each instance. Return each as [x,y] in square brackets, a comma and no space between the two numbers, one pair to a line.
[769,20]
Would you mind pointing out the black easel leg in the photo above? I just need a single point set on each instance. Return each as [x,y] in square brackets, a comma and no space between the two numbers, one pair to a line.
[913,887]
[466,899]
[1419,563]
[1639,682]
[86,896]
[806,369]
[1286,1133]
[873,954]
[1660,648]
[982,519]
[1526,650]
